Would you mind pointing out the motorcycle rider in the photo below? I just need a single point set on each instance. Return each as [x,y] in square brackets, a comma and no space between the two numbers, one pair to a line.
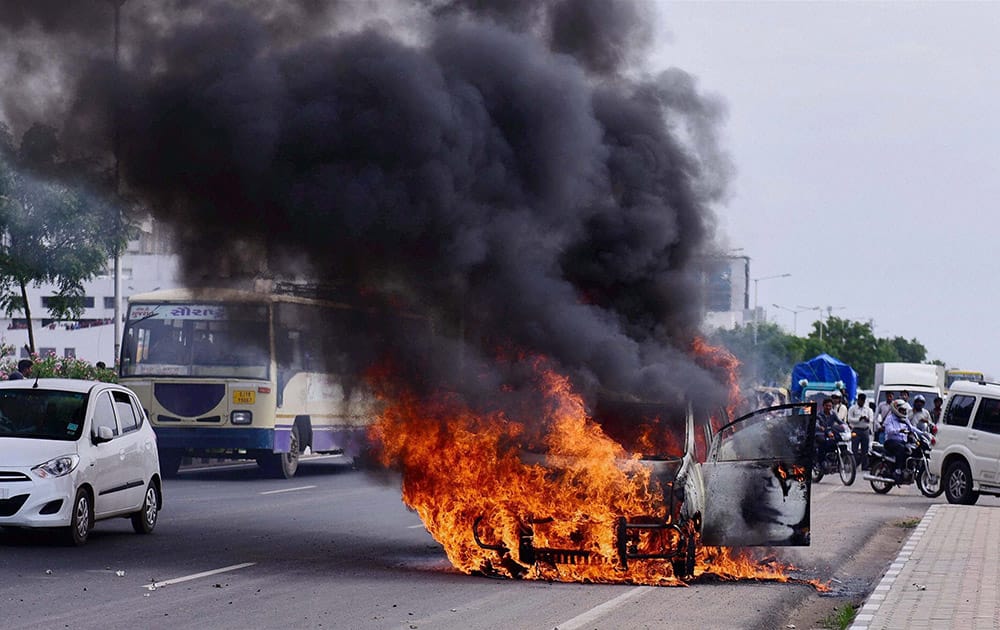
[897,428]
[827,426]
[859,416]
[921,417]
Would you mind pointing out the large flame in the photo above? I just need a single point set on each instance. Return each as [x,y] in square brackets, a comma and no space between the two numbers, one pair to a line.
[484,482]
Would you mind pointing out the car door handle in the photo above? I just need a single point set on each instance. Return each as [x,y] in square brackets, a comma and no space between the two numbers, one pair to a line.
[973,438]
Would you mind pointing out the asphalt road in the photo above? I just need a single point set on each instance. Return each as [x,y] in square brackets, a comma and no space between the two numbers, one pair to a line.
[336,548]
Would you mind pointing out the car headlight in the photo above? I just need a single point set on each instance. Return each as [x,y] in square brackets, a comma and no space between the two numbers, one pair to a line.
[241,417]
[58,467]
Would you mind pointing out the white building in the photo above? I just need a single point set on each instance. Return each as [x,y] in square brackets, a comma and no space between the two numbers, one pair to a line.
[148,264]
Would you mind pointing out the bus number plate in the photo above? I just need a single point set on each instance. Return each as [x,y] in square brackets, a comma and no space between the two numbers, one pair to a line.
[244,397]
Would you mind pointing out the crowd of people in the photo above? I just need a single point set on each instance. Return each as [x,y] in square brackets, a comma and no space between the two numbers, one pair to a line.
[887,423]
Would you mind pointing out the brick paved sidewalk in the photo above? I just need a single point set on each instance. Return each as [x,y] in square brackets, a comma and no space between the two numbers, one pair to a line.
[946,576]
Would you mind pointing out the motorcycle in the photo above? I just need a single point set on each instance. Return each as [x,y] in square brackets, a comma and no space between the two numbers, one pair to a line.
[914,469]
[839,460]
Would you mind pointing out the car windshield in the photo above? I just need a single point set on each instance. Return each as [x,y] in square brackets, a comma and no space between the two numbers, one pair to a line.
[650,430]
[42,414]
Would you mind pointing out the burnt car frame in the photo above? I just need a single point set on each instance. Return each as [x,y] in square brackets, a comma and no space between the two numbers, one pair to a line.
[744,483]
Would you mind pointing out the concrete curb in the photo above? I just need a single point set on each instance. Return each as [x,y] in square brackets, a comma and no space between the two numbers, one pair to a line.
[866,614]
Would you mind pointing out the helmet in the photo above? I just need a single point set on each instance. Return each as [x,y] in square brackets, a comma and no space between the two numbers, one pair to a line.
[901,408]
[919,398]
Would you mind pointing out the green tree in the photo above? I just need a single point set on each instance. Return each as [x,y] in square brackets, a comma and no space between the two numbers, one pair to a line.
[769,361]
[53,229]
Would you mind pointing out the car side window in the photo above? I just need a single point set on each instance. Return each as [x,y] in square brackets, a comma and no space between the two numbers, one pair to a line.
[104,414]
[959,410]
[126,412]
[987,416]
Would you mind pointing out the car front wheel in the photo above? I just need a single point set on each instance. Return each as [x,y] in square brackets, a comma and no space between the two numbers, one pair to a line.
[958,484]
[144,520]
[81,520]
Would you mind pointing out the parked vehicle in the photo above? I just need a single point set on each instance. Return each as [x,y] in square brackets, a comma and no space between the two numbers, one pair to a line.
[73,452]
[916,378]
[820,376]
[840,460]
[914,470]
[967,452]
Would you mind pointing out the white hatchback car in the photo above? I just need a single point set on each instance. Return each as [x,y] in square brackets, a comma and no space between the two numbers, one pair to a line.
[75,451]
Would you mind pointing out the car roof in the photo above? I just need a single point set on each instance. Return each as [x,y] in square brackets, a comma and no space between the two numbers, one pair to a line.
[60,384]
[974,387]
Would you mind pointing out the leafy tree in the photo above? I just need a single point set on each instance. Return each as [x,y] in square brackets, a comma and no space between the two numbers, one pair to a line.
[771,359]
[53,229]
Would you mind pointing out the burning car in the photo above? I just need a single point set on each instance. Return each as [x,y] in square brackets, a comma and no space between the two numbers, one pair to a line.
[628,491]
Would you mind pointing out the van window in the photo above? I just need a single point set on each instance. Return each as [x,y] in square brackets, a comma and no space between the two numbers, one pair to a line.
[959,410]
[988,416]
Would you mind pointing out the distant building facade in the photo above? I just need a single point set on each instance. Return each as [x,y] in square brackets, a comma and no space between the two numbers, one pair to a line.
[726,289]
[147,264]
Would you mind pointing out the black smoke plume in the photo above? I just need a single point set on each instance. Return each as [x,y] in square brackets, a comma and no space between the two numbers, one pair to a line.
[504,170]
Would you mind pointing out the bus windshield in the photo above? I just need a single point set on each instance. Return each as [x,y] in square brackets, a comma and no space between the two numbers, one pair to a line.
[199,340]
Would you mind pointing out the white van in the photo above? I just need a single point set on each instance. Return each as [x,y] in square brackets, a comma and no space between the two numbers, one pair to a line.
[967,450]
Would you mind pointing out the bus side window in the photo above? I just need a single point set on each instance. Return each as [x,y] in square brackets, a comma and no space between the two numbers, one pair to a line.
[287,345]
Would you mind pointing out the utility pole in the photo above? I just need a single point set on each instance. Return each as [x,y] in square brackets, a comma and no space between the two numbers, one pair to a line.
[755,313]
[117,5]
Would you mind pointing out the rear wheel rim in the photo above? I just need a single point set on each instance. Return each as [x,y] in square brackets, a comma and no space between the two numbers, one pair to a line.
[82,517]
[151,507]
[957,482]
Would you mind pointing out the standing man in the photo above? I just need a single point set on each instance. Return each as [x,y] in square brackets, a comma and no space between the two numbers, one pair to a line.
[23,370]
[859,416]
[936,411]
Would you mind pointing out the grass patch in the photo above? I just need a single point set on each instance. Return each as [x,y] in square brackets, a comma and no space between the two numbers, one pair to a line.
[909,523]
[840,618]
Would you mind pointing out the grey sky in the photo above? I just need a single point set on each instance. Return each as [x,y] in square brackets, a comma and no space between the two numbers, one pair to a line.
[865,140]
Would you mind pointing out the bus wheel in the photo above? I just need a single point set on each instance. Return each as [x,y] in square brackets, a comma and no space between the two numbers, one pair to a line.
[282,465]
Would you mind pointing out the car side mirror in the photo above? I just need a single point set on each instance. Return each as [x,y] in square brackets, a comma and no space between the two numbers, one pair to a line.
[104,434]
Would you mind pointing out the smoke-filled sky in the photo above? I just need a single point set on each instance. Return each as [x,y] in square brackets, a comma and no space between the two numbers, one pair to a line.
[864,134]
[518,172]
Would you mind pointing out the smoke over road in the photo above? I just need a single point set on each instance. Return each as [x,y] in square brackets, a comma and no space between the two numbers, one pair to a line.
[504,167]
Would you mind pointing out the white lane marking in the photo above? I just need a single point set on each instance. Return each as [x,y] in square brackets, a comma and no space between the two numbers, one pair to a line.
[599,611]
[155,585]
[420,526]
[287,490]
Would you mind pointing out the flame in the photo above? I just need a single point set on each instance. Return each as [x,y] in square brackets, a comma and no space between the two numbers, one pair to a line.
[541,492]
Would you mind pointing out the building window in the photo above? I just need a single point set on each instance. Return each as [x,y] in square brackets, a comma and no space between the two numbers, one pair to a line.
[24,352]
[69,353]
[109,302]
[46,352]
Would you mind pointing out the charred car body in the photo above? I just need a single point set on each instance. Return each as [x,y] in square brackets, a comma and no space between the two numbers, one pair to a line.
[738,484]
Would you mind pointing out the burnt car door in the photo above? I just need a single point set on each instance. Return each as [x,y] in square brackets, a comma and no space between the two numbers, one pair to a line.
[757,479]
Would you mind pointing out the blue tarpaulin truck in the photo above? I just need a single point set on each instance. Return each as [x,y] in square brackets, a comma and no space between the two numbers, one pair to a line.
[820,376]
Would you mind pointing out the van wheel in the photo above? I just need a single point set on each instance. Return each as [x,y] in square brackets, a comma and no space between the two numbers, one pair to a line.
[81,520]
[958,484]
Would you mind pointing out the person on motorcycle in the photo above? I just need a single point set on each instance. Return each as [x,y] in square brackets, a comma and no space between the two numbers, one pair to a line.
[897,429]
[921,417]
[827,427]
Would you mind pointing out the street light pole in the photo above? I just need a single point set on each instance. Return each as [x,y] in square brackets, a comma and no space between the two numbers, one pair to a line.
[756,316]
[795,317]
[117,5]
